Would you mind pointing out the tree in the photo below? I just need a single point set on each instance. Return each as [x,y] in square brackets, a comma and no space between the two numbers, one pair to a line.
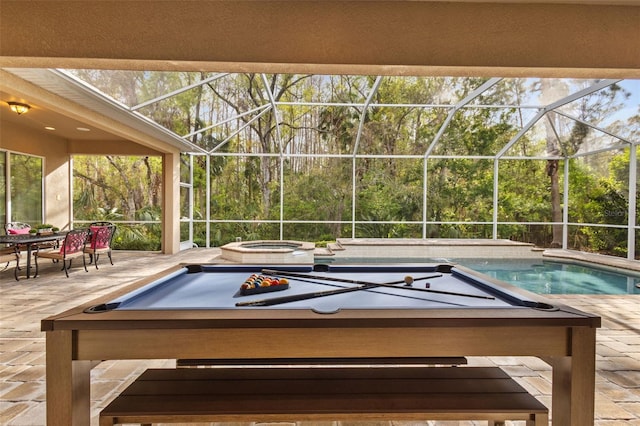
[126,189]
[587,109]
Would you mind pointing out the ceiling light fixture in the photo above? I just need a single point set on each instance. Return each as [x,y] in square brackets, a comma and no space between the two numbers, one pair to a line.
[19,108]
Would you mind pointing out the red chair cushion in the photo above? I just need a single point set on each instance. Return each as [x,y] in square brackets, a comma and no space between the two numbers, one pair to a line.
[19,231]
[73,242]
[99,237]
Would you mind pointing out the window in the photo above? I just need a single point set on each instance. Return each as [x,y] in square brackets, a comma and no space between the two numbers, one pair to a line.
[21,188]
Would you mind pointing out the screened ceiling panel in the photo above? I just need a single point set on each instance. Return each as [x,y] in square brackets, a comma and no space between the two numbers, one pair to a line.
[551,90]
[532,144]
[319,130]
[390,131]
[321,89]
[508,91]
[473,132]
[233,134]
[590,108]
[367,115]
[630,107]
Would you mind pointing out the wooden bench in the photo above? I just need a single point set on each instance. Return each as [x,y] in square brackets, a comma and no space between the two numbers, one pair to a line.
[186,395]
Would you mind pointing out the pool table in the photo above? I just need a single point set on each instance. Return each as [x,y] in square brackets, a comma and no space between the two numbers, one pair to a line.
[319,311]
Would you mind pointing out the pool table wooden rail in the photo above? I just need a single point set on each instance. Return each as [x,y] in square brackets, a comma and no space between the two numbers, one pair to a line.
[319,342]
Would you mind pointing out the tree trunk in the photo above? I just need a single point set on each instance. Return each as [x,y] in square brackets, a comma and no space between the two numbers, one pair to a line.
[553,150]
[556,205]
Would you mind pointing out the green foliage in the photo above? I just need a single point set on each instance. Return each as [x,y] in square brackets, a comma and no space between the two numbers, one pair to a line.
[460,189]
[34,229]
[115,184]
[600,200]
[121,189]
[137,237]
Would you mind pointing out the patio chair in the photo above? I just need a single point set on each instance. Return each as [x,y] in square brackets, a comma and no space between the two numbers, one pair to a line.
[100,242]
[8,255]
[102,223]
[72,247]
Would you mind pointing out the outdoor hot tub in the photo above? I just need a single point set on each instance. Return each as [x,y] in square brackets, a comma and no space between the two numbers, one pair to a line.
[268,252]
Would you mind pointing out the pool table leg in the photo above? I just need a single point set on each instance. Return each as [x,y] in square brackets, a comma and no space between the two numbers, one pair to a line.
[574,381]
[68,383]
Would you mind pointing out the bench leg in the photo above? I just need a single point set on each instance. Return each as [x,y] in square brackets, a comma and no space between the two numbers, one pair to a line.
[541,420]
[106,421]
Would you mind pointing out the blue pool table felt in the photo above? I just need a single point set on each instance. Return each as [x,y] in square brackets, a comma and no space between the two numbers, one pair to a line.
[218,287]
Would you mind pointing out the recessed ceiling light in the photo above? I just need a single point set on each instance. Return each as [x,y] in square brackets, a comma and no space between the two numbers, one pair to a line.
[49,128]
[83,129]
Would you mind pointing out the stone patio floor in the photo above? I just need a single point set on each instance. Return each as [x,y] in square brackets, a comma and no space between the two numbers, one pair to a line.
[22,345]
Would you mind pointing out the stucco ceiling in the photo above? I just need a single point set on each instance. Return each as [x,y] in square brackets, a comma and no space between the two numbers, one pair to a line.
[42,118]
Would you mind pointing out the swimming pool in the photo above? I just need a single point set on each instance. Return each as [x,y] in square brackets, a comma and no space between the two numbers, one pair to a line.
[540,276]
[553,277]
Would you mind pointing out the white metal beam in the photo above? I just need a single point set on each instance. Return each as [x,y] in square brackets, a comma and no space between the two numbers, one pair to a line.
[178,91]
[568,99]
[470,97]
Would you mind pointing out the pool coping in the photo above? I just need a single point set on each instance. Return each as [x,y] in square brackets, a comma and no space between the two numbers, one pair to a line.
[432,248]
[593,258]
[499,248]
[241,252]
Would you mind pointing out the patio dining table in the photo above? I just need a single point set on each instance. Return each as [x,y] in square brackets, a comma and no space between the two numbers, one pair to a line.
[29,241]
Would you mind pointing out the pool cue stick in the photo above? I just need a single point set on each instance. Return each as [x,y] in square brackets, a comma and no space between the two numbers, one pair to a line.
[391,284]
[336,279]
[373,290]
[304,296]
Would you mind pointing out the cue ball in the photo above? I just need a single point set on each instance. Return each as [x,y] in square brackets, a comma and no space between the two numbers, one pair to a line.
[408,280]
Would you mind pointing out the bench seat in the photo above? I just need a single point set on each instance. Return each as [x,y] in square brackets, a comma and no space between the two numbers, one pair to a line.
[247,394]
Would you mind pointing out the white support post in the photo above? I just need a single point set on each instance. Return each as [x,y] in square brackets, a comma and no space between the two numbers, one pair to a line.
[565,206]
[208,201]
[495,198]
[633,187]
[424,197]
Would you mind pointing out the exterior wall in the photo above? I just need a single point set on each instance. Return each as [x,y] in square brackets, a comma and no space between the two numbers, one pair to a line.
[25,140]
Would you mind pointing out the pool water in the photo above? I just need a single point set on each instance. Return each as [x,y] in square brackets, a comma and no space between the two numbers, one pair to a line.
[269,246]
[541,276]
[550,277]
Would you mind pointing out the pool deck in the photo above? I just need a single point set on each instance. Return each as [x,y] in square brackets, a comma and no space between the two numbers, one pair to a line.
[22,345]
